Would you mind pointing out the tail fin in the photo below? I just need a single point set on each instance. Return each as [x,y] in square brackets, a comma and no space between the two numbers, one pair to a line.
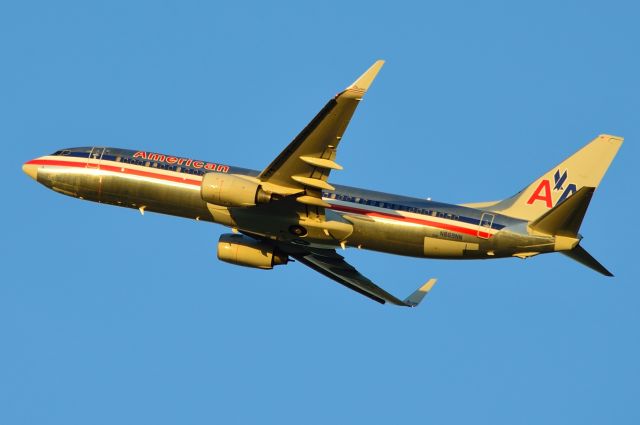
[585,168]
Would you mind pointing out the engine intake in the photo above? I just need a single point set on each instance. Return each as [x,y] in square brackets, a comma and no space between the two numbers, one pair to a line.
[244,251]
[229,190]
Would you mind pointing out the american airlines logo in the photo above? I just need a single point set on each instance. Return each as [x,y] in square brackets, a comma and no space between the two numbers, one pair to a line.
[545,194]
[187,162]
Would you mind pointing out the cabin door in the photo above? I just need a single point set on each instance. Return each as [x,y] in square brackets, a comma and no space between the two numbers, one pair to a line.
[486,221]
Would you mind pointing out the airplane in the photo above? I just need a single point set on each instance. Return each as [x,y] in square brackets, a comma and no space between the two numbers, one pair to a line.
[290,211]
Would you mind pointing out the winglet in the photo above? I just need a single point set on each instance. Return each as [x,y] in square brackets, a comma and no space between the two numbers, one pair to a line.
[362,84]
[414,299]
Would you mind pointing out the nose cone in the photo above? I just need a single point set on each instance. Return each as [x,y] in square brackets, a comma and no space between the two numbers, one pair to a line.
[30,170]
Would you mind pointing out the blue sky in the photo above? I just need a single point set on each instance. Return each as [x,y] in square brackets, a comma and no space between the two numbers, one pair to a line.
[110,317]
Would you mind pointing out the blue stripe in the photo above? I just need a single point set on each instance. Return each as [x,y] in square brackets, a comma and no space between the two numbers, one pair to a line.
[414,210]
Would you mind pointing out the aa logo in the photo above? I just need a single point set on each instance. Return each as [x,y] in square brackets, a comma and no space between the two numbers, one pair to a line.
[544,192]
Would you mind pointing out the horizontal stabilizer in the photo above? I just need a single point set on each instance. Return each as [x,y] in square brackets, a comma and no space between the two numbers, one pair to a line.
[580,255]
[565,218]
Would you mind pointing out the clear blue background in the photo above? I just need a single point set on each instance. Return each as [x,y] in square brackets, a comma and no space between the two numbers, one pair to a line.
[110,317]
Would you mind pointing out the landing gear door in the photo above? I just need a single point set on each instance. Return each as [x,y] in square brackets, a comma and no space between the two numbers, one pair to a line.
[486,221]
[95,157]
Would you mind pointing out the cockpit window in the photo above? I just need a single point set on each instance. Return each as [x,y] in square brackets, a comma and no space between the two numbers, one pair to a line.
[64,152]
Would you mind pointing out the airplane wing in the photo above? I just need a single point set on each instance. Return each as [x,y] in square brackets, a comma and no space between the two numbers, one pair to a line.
[302,169]
[304,165]
[333,266]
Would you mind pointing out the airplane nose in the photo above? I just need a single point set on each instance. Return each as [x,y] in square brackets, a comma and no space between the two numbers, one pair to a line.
[30,170]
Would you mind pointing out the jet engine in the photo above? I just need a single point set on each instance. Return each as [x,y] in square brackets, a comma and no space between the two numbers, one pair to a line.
[244,251]
[229,190]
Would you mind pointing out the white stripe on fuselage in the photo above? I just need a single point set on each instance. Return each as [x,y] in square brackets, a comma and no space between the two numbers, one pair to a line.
[127,166]
[403,214]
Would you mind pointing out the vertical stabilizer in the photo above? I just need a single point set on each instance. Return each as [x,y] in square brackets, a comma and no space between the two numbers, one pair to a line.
[585,168]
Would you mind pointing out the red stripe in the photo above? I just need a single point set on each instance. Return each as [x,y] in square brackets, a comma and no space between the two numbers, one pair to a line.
[58,163]
[176,179]
[115,169]
[439,225]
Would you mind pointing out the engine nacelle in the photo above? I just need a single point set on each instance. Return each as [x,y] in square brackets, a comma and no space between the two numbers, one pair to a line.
[245,251]
[230,190]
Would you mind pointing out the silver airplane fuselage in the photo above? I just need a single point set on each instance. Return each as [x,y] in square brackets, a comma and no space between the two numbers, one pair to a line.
[290,209]
[379,221]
